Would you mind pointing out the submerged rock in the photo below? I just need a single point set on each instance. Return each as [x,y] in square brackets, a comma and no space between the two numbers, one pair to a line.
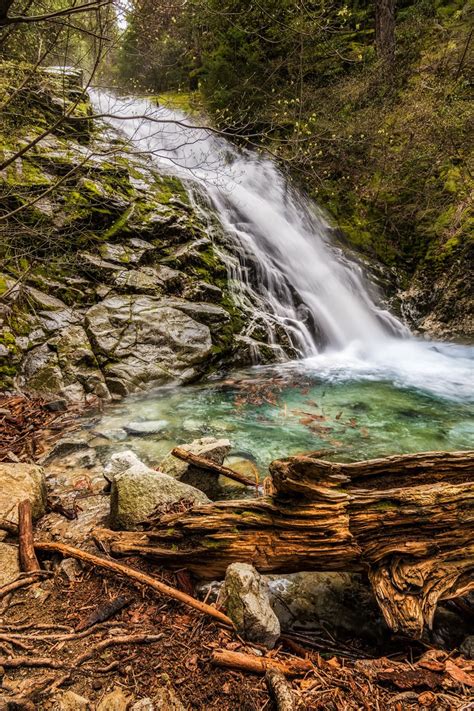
[138,491]
[19,482]
[147,427]
[248,605]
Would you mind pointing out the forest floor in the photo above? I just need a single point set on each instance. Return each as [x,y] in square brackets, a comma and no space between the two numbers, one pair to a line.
[59,636]
[40,622]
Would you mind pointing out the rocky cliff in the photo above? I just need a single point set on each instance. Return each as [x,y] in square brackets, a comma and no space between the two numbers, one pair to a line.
[110,282]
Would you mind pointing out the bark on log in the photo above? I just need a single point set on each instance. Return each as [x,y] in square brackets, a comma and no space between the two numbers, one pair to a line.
[407,519]
[26,550]
[206,464]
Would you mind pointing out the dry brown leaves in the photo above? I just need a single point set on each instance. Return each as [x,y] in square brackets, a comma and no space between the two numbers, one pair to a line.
[29,426]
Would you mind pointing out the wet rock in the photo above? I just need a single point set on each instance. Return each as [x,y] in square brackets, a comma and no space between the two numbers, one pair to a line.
[96,267]
[65,365]
[45,301]
[9,564]
[248,605]
[467,647]
[18,482]
[146,342]
[139,490]
[69,701]
[147,427]
[115,701]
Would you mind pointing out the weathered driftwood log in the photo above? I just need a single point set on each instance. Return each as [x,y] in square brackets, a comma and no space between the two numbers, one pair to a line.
[408,520]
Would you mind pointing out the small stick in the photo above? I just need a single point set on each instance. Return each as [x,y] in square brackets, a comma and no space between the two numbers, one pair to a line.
[28,560]
[280,690]
[203,463]
[70,551]
[16,662]
[259,665]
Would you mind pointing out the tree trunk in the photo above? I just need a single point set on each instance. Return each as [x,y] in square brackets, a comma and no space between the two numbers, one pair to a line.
[408,520]
[385,32]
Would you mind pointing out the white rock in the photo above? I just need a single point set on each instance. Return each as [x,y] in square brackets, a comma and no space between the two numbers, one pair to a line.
[248,605]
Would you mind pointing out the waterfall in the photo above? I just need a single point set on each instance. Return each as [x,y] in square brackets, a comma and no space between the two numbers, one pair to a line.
[286,267]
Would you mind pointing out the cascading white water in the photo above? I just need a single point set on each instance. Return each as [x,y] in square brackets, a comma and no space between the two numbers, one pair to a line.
[304,287]
[285,265]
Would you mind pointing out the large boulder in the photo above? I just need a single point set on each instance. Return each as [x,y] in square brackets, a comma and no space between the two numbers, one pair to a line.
[143,341]
[9,564]
[65,365]
[248,605]
[19,482]
[138,491]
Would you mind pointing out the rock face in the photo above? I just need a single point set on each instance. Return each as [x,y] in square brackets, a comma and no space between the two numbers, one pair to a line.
[143,341]
[248,605]
[19,482]
[9,564]
[138,490]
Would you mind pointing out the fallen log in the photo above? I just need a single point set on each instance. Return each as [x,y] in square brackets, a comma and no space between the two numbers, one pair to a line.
[408,520]
[206,464]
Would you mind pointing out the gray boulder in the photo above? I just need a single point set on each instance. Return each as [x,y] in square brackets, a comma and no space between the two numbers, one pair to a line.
[18,482]
[145,342]
[138,491]
[248,605]
[65,365]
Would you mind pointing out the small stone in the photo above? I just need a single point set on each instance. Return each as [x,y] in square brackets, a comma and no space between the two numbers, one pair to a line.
[145,704]
[248,605]
[69,701]
[97,684]
[467,647]
[115,701]
[146,428]
[58,405]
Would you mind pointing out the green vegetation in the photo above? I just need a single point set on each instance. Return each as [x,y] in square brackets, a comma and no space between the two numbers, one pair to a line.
[386,152]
